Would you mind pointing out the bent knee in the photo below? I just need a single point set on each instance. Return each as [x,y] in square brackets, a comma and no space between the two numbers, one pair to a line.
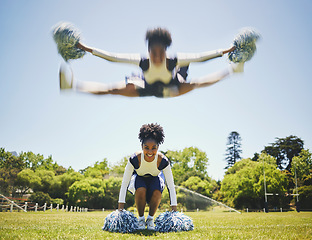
[130,86]
[156,193]
[140,190]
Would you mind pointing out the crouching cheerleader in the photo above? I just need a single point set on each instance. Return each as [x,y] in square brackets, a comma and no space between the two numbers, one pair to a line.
[143,178]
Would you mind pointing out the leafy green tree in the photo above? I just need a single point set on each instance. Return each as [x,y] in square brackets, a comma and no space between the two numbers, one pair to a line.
[94,173]
[49,164]
[302,168]
[302,164]
[27,179]
[40,198]
[60,170]
[10,166]
[243,184]
[308,180]
[305,197]
[233,150]
[188,162]
[37,161]
[61,183]
[111,197]
[46,179]
[98,170]
[31,160]
[198,185]
[112,188]
[284,149]
[58,201]
[119,168]
[88,192]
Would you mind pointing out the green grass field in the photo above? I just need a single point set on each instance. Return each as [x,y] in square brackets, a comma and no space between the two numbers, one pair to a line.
[208,225]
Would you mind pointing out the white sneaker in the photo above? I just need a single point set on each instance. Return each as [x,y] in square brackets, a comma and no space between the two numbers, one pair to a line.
[238,67]
[66,77]
[141,224]
[150,224]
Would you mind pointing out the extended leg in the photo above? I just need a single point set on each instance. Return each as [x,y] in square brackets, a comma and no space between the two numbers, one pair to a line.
[128,90]
[209,79]
[67,82]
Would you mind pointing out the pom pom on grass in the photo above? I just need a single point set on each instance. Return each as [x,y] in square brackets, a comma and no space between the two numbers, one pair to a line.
[66,38]
[120,221]
[173,222]
[245,43]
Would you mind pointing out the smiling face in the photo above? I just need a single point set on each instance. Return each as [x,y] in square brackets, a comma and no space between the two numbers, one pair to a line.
[150,149]
[157,54]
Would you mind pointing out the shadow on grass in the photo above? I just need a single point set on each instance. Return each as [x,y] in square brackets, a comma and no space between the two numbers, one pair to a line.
[144,233]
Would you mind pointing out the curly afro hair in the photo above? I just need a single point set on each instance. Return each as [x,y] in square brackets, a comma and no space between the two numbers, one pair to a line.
[152,131]
[158,36]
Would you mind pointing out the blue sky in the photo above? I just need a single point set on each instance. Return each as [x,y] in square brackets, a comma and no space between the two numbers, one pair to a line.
[271,99]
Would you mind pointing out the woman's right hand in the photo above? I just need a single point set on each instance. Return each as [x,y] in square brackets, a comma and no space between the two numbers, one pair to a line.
[229,50]
[174,208]
[121,206]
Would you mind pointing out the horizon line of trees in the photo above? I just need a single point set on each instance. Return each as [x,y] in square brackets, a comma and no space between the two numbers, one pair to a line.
[97,186]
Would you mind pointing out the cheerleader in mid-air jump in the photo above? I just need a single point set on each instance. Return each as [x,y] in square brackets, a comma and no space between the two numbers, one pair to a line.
[161,76]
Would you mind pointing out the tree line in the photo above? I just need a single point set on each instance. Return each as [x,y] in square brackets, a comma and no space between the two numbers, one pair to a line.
[97,186]
[284,166]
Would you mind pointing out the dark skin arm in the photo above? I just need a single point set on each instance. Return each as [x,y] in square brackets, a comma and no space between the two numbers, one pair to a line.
[229,50]
[84,47]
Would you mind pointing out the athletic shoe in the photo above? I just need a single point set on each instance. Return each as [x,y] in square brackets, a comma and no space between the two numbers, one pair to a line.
[150,224]
[66,77]
[238,67]
[141,224]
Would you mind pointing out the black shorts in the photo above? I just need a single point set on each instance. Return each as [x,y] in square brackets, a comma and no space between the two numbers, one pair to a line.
[150,184]
[158,89]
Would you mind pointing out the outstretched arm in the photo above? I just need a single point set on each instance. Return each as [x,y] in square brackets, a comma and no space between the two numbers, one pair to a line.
[113,57]
[185,59]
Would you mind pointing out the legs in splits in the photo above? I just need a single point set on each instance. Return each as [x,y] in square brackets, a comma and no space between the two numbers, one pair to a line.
[211,79]
[67,81]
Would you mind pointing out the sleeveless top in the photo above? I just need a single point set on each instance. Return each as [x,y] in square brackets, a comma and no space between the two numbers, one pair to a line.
[148,168]
[164,73]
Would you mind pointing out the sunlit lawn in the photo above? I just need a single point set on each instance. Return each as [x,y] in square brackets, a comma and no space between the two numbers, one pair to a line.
[208,225]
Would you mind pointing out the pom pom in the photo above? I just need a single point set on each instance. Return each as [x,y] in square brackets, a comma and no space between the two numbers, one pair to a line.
[120,221]
[66,38]
[245,43]
[173,222]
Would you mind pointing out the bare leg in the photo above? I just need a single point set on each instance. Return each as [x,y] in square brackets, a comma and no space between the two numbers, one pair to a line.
[67,81]
[154,203]
[203,81]
[140,200]
[123,89]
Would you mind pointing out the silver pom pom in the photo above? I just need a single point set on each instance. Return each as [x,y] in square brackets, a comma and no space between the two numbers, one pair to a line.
[173,222]
[120,221]
[66,38]
[245,43]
